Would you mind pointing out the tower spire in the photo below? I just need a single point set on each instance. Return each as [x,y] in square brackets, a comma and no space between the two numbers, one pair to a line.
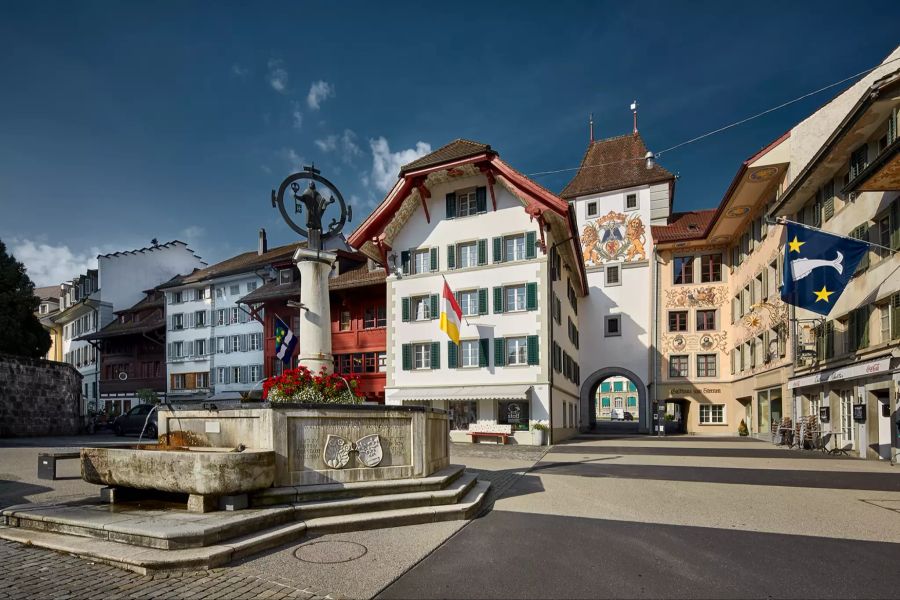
[591,120]
[634,107]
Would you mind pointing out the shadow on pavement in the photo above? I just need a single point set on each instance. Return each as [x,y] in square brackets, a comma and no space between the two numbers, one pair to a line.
[14,492]
[761,452]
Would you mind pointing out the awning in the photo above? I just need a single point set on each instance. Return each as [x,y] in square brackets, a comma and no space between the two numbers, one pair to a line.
[482,392]
[865,369]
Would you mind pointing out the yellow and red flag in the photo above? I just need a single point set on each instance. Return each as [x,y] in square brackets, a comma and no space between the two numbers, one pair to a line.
[451,314]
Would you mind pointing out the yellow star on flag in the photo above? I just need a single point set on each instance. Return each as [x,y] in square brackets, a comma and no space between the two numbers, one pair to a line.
[795,245]
[822,294]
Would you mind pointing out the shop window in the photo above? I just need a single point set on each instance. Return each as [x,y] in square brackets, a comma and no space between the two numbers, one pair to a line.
[514,413]
[712,414]
[462,414]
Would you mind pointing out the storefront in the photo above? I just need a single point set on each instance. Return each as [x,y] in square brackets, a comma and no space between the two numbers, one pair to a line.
[856,404]
[701,409]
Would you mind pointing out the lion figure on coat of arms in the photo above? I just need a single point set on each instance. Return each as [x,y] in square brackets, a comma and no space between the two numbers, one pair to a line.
[589,240]
[634,232]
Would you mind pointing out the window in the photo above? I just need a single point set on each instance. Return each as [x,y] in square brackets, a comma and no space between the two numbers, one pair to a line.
[255,374]
[202,380]
[514,246]
[255,341]
[592,209]
[618,402]
[712,414]
[683,268]
[235,343]
[200,318]
[706,365]
[178,382]
[710,268]
[678,320]
[220,317]
[632,402]
[468,255]
[612,325]
[678,365]
[381,357]
[612,276]
[847,416]
[516,351]
[374,316]
[466,203]
[515,298]
[631,202]
[706,320]
[421,308]
[178,321]
[468,302]
[220,292]
[234,290]
[235,374]
[513,413]
[220,345]
[178,350]
[463,414]
[422,356]
[285,276]
[200,347]
[177,298]
[345,321]
[422,261]
[468,353]
[859,159]
[220,375]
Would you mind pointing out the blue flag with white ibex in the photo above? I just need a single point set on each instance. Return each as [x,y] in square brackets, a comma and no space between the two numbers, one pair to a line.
[817,267]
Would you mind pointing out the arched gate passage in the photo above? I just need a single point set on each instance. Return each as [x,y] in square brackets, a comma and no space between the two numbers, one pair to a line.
[589,390]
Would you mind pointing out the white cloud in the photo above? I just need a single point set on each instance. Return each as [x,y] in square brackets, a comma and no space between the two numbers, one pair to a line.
[192,233]
[296,115]
[294,160]
[386,164]
[346,142]
[278,75]
[327,144]
[319,91]
[51,265]
[266,169]
[239,71]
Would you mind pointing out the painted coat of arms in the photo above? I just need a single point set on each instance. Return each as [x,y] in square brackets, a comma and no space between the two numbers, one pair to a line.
[336,453]
[614,237]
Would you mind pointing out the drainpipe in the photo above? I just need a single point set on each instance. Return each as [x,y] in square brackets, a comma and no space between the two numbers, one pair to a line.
[655,350]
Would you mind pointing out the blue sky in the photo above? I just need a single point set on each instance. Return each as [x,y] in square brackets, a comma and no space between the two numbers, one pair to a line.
[121,122]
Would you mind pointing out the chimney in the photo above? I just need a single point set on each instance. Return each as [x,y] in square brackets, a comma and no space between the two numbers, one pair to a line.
[263,246]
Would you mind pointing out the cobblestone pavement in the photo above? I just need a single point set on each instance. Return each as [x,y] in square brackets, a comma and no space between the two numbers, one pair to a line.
[34,573]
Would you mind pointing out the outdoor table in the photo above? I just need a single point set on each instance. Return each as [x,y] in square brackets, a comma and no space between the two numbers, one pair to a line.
[837,448]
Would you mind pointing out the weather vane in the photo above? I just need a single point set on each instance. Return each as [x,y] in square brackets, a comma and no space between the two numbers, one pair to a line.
[314,203]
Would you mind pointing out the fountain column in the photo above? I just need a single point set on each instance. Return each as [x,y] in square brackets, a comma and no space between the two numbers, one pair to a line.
[314,340]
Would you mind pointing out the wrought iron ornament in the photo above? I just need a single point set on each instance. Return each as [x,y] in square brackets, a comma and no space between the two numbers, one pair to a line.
[311,199]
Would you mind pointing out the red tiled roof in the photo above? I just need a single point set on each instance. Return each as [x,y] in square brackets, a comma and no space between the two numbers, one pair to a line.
[614,164]
[684,226]
[242,263]
[455,150]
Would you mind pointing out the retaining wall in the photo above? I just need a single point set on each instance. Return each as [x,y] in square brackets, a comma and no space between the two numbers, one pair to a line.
[38,397]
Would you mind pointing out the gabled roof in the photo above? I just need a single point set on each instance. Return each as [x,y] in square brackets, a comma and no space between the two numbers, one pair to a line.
[684,226]
[153,321]
[50,292]
[614,164]
[242,263]
[358,275]
[172,244]
[455,150]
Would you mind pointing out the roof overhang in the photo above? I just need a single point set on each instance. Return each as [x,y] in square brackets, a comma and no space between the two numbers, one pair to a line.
[882,174]
[482,392]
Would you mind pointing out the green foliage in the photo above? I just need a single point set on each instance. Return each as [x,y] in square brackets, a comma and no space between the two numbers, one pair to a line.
[742,429]
[670,417]
[21,333]
[540,427]
[147,396]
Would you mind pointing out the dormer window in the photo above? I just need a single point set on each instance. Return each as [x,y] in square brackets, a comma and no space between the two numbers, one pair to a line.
[464,203]
[631,202]
[285,276]
[592,209]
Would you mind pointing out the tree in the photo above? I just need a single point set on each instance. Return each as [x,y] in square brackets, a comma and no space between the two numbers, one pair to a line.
[21,332]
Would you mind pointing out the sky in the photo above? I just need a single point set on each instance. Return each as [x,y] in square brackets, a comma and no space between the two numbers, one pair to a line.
[122,122]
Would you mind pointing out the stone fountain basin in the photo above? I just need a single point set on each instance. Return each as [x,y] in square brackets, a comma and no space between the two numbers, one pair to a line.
[189,470]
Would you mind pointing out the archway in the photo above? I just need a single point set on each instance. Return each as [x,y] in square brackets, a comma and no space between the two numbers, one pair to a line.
[589,389]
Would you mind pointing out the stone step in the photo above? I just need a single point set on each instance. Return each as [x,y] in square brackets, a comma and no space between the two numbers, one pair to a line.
[308,493]
[451,494]
[146,560]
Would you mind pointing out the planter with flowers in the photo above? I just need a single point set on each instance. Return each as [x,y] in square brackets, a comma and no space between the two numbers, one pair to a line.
[302,386]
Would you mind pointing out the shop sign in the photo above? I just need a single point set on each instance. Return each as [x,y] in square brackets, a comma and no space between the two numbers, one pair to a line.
[865,369]
[690,391]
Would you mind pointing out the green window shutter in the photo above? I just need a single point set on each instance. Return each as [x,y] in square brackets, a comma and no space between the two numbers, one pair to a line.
[829,339]
[482,301]
[895,224]
[404,260]
[498,250]
[481,199]
[434,260]
[483,345]
[498,300]
[530,244]
[863,322]
[532,346]
[499,352]
[531,300]
[451,205]
[405,302]
[482,252]
[895,316]
[435,355]
[862,233]
[451,256]
[407,357]
[435,309]
[452,355]
[828,209]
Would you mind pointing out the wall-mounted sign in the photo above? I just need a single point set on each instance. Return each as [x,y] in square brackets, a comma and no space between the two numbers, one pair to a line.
[676,391]
[873,367]
[824,414]
[859,413]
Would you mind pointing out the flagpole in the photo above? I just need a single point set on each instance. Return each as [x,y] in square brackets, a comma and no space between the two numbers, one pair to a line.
[784,221]
[448,285]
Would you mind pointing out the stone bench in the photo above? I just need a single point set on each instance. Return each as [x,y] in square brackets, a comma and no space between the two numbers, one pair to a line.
[501,432]
[47,461]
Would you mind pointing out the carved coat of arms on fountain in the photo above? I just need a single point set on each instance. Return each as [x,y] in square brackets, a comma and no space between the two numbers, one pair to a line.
[614,237]
[336,453]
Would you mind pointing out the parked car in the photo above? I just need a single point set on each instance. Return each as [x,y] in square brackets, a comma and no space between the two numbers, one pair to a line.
[133,421]
[629,416]
[617,414]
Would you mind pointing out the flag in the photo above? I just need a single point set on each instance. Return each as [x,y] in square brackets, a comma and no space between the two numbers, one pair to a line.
[817,267]
[451,314]
[285,342]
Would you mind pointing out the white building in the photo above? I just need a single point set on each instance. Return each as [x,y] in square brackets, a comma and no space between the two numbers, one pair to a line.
[615,199]
[508,249]
[214,346]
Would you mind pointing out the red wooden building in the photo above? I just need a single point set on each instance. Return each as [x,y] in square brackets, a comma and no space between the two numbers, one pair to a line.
[358,318]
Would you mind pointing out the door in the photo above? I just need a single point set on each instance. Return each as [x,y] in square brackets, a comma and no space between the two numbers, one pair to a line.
[883,404]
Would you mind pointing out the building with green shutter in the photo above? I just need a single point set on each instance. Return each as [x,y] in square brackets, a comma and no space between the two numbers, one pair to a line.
[615,397]
[508,250]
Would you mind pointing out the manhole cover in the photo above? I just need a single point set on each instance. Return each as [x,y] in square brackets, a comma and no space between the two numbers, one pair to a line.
[328,552]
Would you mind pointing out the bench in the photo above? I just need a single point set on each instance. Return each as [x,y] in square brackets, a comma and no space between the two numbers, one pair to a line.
[47,461]
[497,434]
